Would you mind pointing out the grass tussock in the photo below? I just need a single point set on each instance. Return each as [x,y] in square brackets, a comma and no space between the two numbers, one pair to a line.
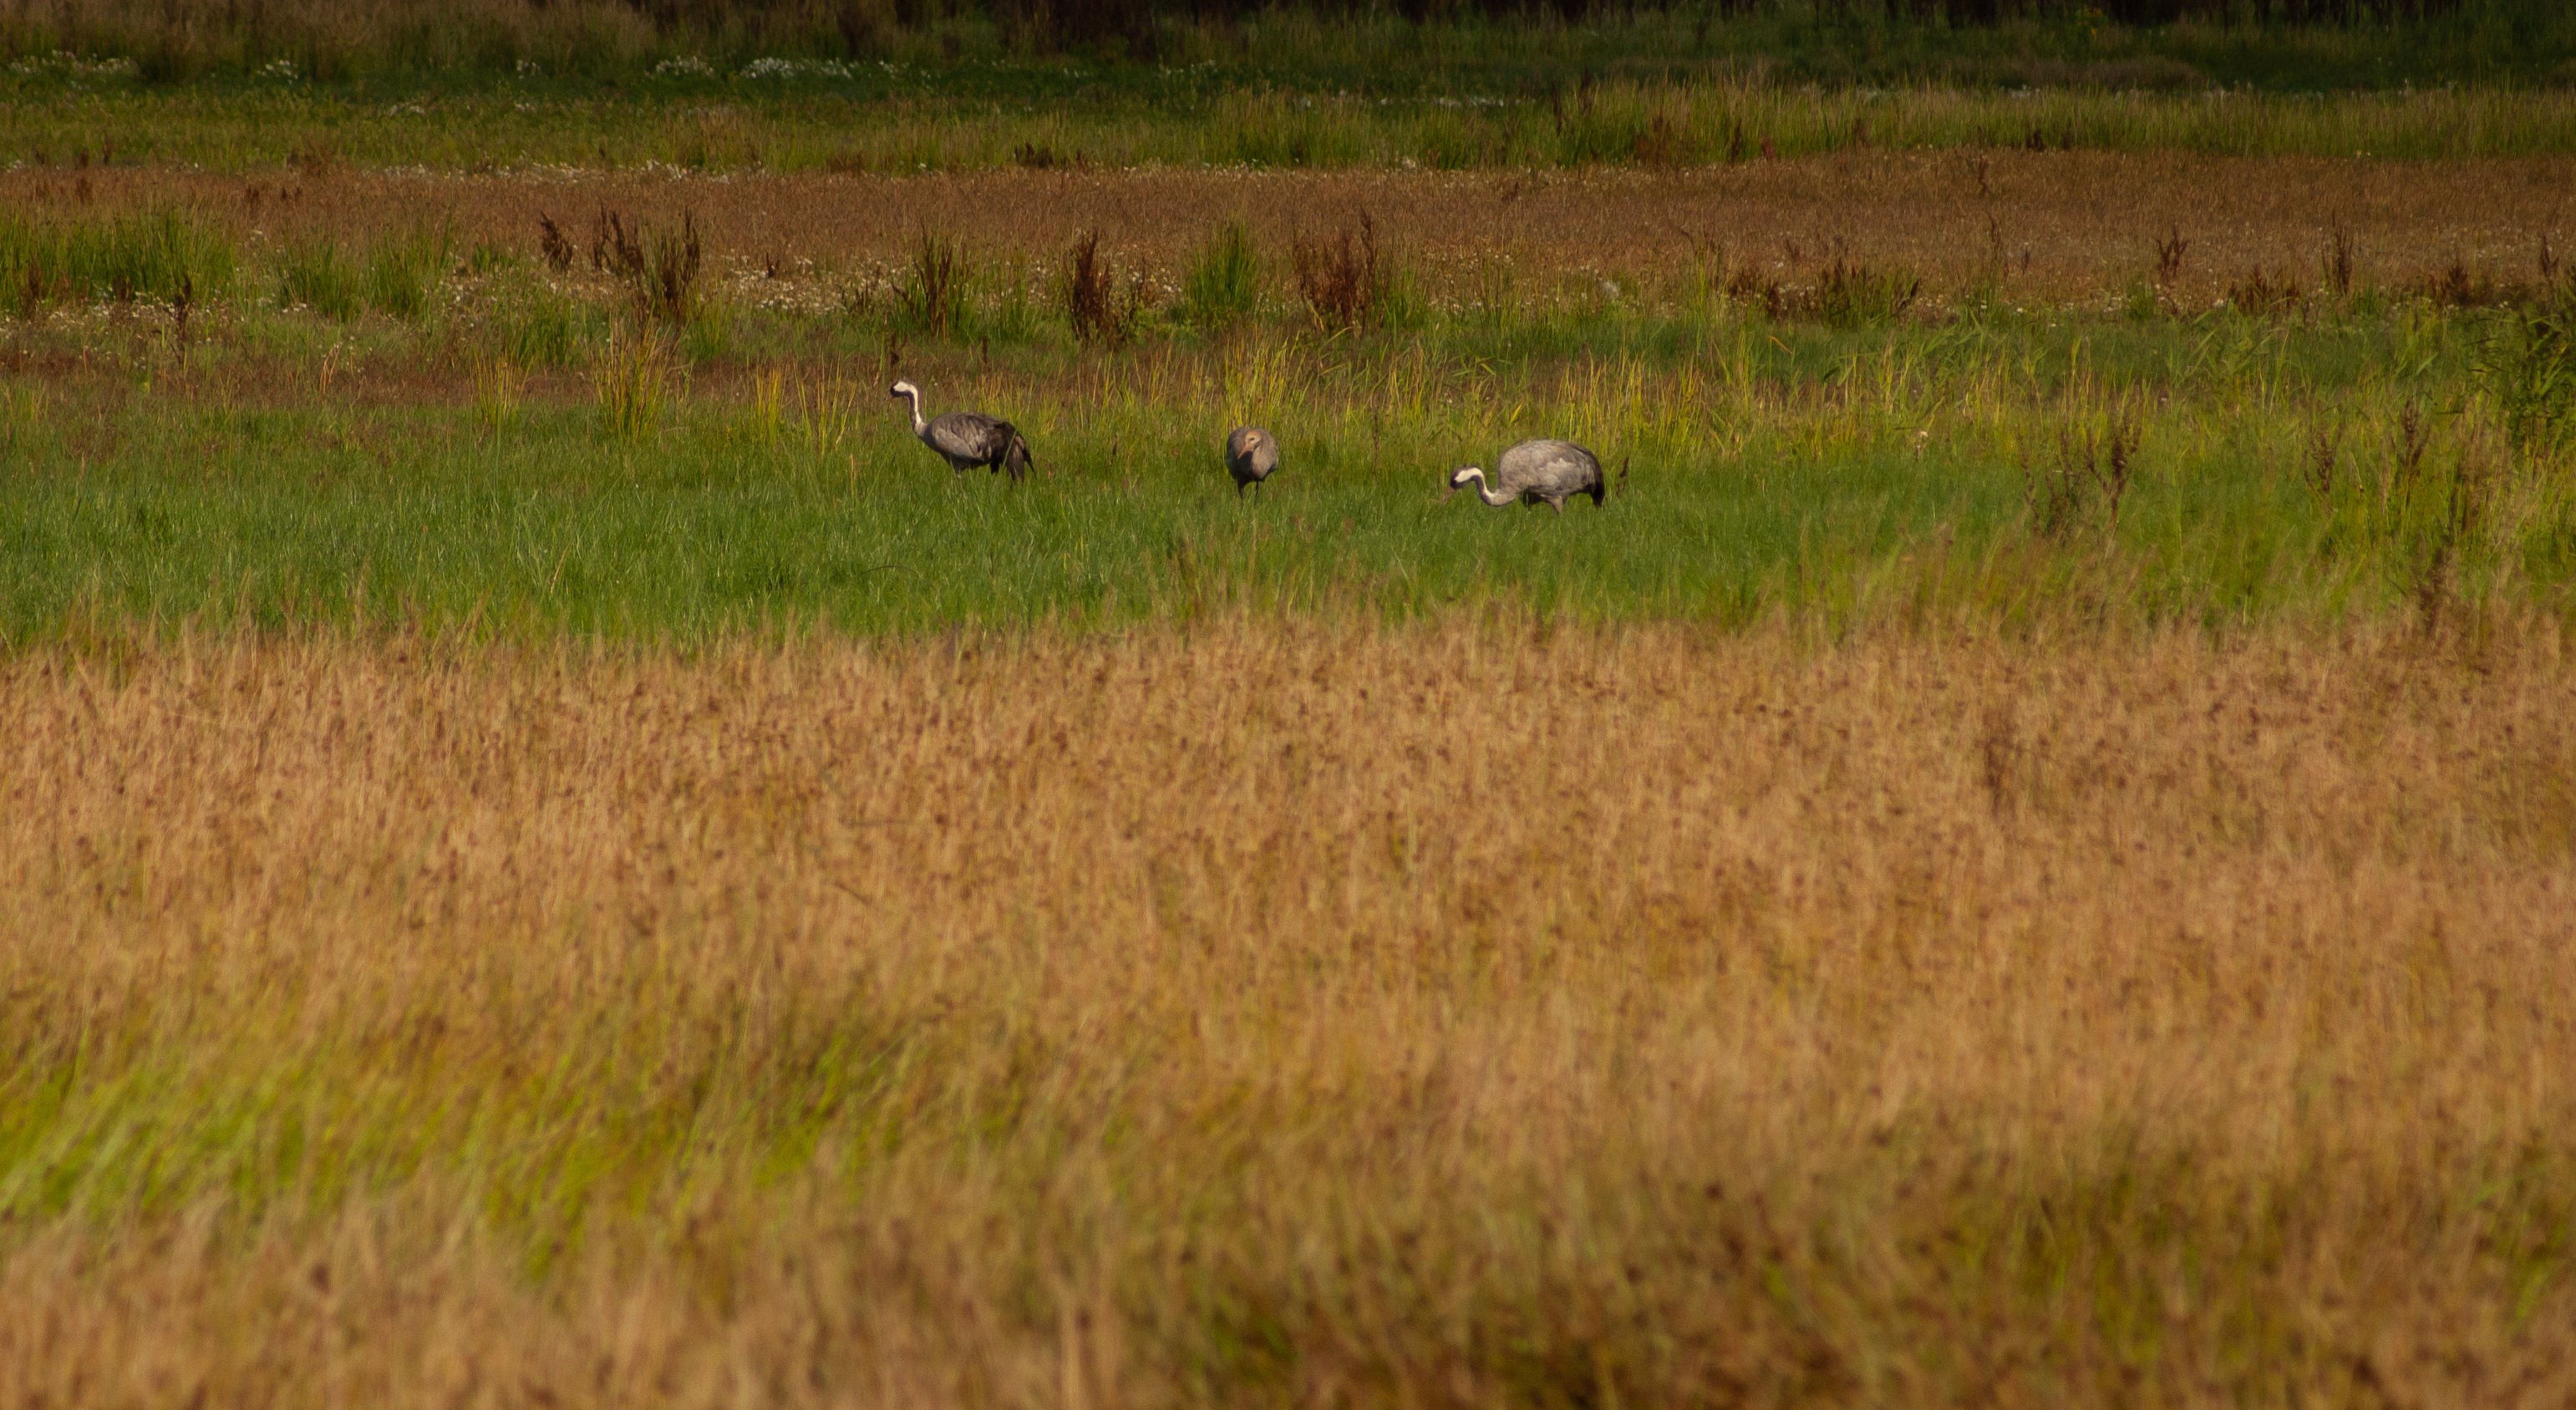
[1223,286]
[150,254]
[405,272]
[1273,1014]
[932,299]
[319,275]
[632,381]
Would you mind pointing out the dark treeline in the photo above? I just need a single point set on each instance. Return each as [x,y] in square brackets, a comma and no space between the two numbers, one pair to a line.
[175,40]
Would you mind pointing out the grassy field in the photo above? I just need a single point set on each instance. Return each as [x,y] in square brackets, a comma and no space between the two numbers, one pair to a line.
[553,855]
[1844,479]
[907,124]
[1832,391]
[1280,1013]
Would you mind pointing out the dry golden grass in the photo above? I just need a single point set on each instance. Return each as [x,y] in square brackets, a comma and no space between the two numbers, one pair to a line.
[2038,226]
[1469,1014]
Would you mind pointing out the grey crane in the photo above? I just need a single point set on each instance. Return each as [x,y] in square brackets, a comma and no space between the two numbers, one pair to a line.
[969,438]
[1534,472]
[1250,455]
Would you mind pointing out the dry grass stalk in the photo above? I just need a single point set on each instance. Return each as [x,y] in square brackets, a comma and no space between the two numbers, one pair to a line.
[671,284]
[2258,293]
[2088,477]
[2318,471]
[1100,316]
[616,250]
[1568,1015]
[2169,254]
[553,245]
[1343,279]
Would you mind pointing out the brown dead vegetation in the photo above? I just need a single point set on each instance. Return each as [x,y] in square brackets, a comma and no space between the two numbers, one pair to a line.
[1290,1015]
[2041,227]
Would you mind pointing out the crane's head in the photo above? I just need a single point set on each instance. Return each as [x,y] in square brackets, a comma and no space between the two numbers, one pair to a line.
[904,388]
[1459,477]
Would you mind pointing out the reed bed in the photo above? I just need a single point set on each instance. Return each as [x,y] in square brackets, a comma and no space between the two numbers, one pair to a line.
[1278,1013]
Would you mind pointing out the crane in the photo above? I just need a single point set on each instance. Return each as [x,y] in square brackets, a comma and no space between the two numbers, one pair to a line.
[1534,472]
[1250,456]
[969,438]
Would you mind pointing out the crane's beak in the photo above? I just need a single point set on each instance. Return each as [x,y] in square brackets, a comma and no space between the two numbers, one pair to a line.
[1450,494]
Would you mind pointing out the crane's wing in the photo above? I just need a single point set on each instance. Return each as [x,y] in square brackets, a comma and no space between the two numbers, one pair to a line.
[970,436]
[1547,467]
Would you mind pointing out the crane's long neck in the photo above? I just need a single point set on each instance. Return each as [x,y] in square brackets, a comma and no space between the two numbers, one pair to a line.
[1487,492]
[920,427]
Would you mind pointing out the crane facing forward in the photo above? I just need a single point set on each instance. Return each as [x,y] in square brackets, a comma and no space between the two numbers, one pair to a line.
[969,438]
[1534,472]
[1250,456]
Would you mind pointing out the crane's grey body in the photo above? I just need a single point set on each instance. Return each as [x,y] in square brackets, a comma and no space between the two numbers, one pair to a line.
[1250,456]
[966,439]
[1536,472]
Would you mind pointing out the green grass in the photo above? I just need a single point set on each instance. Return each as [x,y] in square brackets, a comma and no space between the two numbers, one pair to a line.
[316,273]
[1771,471]
[926,119]
[404,272]
[152,256]
[1224,281]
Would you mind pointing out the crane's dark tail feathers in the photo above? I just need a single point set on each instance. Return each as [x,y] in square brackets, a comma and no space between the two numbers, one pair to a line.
[1015,457]
[1596,492]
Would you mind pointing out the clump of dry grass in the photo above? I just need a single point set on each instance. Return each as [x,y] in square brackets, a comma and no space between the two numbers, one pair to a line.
[1343,278]
[1100,316]
[2258,293]
[660,268]
[1284,1014]
[2083,484]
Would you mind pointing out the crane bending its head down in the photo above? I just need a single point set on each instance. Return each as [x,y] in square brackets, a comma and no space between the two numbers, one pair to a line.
[1535,472]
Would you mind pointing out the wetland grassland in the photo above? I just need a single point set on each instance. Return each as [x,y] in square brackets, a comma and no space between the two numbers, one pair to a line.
[552,855]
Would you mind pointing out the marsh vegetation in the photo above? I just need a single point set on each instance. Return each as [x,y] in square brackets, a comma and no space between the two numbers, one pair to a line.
[553,855]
